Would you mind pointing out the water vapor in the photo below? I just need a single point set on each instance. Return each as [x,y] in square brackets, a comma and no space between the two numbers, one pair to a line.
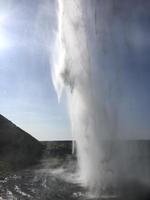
[73,74]
[87,69]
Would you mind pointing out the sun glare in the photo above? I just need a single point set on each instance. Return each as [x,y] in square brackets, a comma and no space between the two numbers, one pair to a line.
[4,43]
[4,39]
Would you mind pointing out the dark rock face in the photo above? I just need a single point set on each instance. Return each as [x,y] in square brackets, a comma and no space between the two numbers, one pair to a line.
[58,148]
[17,148]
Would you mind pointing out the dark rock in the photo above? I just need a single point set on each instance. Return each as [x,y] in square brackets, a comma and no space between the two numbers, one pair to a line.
[17,148]
[57,148]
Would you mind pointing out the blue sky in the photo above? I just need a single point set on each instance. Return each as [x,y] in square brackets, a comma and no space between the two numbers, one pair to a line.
[27,96]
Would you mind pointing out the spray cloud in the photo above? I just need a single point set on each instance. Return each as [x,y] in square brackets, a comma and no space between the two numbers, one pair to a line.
[90,107]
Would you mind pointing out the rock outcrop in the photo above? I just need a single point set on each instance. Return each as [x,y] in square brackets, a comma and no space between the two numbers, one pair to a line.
[17,148]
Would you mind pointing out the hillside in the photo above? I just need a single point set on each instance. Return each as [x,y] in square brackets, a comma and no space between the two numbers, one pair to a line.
[17,148]
[57,148]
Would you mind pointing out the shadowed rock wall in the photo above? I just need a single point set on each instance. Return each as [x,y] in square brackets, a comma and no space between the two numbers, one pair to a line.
[17,148]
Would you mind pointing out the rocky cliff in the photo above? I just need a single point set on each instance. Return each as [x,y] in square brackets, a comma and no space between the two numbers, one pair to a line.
[17,148]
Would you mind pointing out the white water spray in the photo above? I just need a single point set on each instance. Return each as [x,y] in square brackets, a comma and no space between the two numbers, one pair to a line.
[73,73]
[93,42]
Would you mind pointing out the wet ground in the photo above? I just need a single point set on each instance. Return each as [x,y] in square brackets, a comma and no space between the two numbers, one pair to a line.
[43,181]
[51,179]
[55,179]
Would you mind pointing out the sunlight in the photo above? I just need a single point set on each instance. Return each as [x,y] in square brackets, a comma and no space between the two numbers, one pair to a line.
[4,40]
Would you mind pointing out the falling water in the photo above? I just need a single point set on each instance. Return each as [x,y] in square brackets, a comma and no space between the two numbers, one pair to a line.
[87,68]
[73,73]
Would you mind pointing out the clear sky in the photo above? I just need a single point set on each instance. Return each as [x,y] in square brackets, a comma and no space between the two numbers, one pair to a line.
[27,97]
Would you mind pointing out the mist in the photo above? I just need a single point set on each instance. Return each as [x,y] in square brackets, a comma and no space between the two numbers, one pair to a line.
[89,69]
[93,114]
